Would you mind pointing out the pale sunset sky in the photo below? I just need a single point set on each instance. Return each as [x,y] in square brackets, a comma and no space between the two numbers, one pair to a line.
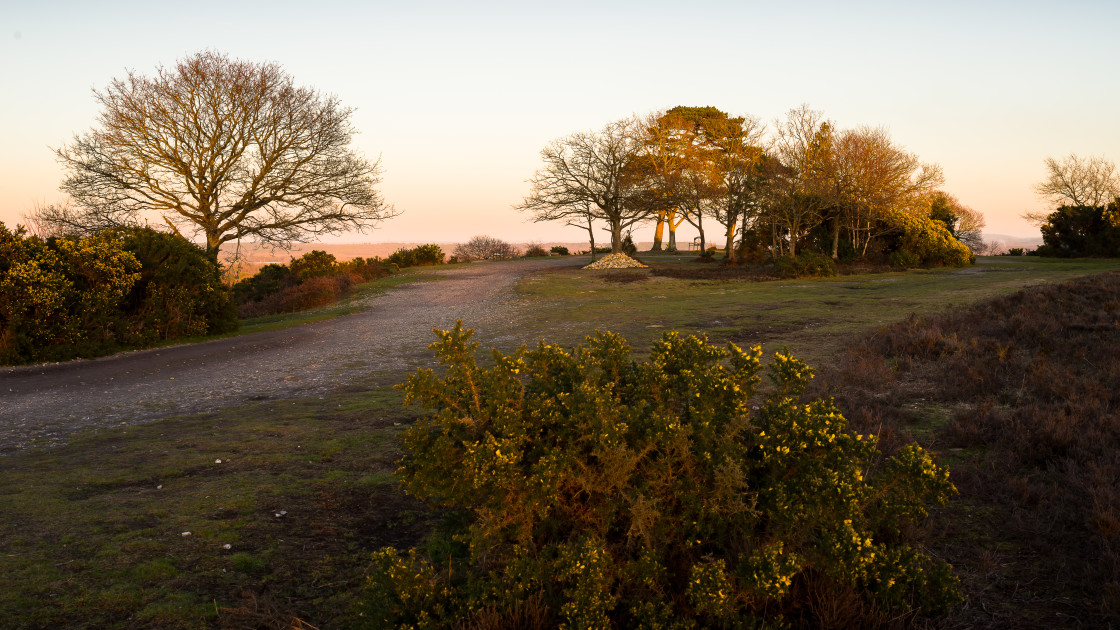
[459,98]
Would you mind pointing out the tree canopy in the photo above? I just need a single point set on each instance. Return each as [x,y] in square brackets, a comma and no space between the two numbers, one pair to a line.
[223,148]
[1077,181]
[807,185]
[588,174]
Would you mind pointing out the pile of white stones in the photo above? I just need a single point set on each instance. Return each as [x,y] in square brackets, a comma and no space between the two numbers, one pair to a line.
[616,261]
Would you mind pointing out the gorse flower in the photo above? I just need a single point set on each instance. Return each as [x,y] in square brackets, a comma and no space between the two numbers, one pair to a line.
[625,494]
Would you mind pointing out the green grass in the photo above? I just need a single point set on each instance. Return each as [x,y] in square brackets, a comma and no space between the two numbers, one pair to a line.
[812,317]
[94,530]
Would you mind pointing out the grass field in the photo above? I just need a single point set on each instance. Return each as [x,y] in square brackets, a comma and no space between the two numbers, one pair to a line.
[94,531]
[812,317]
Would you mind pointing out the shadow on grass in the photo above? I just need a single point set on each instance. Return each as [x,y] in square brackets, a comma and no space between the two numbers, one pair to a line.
[281,529]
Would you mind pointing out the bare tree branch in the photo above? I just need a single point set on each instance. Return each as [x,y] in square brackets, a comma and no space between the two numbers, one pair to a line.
[225,148]
[587,174]
[1077,181]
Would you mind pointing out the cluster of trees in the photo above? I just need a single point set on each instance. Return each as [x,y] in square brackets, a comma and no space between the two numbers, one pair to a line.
[1086,221]
[807,184]
[67,297]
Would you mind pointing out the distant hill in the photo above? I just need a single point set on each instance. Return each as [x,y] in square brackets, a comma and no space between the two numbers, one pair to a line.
[256,254]
[1005,241]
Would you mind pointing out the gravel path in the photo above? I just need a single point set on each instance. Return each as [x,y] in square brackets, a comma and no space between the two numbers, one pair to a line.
[47,403]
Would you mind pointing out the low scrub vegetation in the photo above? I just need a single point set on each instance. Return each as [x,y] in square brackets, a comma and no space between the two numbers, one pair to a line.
[535,250]
[806,265]
[1022,392]
[589,491]
[318,279]
[68,297]
[419,256]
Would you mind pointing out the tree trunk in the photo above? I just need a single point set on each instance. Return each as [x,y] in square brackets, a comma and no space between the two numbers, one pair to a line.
[591,235]
[213,245]
[672,238]
[836,237]
[742,238]
[616,237]
[658,232]
[729,254]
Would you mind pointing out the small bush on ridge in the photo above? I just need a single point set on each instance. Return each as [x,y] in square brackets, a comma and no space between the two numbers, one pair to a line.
[310,281]
[485,248]
[420,255]
[559,250]
[624,494]
[534,250]
[314,264]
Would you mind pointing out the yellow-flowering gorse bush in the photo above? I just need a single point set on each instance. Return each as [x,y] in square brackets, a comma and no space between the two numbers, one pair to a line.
[70,297]
[925,242]
[671,493]
[62,295]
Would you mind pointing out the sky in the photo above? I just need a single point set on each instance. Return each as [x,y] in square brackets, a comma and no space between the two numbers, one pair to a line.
[457,99]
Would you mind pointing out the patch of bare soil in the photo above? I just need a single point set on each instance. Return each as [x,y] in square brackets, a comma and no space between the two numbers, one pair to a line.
[45,404]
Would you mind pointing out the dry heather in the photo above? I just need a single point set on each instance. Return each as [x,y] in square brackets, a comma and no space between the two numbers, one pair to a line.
[1021,396]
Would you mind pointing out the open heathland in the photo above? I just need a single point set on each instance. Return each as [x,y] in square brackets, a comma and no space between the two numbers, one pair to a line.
[1012,391]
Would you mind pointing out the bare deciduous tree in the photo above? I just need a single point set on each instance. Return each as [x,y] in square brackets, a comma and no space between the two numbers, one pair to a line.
[486,248]
[880,178]
[1077,181]
[803,143]
[63,219]
[588,172]
[225,148]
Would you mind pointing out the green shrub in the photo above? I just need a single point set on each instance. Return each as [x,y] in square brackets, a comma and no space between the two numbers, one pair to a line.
[927,241]
[180,291]
[659,494]
[314,264]
[271,279]
[366,268]
[805,265]
[314,293]
[534,250]
[559,250]
[628,246]
[83,297]
[1015,251]
[62,298]
[420,255]
[904,259]
[1073,231]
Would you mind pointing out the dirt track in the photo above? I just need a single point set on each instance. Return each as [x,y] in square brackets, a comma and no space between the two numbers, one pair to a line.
[47,403]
